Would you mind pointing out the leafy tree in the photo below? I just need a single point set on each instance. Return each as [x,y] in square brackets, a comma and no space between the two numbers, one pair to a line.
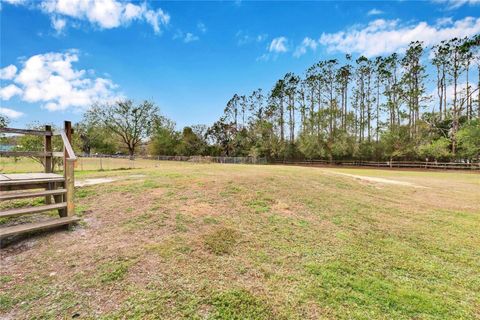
[164,139]
[412,84]
[398,143]
[190,143]
[437,149]
[95,138]
[468,138]
[3,121]
[131,123]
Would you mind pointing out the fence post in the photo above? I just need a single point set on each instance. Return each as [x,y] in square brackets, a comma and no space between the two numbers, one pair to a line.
[70,184]
[69,172]
[48,159]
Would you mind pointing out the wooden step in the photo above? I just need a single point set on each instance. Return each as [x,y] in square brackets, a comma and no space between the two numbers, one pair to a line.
[28,227]
[21,195]
[21,211]
[22,181]
[30,181]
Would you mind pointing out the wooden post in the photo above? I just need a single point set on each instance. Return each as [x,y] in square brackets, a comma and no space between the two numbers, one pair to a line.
[70,184]
[48,159]
[69,172]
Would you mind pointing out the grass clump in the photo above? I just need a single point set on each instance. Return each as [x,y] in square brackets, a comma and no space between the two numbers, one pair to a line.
[210,220]
[240,304]
[114,270]
[259,205]
[81,193]
[222,241]
[170,248]
[181,222]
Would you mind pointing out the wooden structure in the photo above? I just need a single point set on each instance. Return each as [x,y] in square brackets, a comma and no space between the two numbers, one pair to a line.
[56,188]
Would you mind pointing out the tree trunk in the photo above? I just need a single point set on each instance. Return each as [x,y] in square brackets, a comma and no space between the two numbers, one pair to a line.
[131,151]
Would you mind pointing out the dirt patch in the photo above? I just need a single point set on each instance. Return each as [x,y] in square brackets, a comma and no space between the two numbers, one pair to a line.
[94,181]
[91,182]
[199,209]
[380,180]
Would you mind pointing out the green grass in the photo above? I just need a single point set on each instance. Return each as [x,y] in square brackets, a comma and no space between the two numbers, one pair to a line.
[206,241]
[239,305]
[114,270]
[221,241]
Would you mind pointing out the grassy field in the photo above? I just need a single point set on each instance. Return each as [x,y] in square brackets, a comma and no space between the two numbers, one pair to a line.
[21,164]
[209,241]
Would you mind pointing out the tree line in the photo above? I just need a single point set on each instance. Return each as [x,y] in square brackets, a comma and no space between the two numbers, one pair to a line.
[365,108]
[369,109]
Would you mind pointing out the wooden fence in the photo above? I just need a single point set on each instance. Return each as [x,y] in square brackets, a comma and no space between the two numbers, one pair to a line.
[385,164]
[209,159]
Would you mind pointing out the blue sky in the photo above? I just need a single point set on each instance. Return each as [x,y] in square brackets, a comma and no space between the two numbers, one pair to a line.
[59,56]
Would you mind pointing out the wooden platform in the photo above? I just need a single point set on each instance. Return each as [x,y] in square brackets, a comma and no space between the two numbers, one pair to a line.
[21,177]
[56,190]
[45,185]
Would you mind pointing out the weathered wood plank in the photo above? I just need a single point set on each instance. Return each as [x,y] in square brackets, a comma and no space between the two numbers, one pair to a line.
[29,227]
[22,211]
[43,185]
[28,182]
[22,195]
[26,153]
[68,147]
[48,160]
[26,131]
[69,185]
[31,176]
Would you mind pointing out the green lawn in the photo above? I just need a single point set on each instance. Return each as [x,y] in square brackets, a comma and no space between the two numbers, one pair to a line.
[210,241]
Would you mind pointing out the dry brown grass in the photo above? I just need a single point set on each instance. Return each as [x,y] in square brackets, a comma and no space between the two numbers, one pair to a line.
[225,241]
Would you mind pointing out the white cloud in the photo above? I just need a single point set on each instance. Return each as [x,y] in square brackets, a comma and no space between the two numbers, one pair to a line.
[387,36]
[8,72]
[186,37]
[52,80]
[58,24]
[244,38]
[156,18]
[374,12]
[190,37]
[278,45]
[202,27]
[10,113]
[105,14]
[6,93]
[261,37]
[132,11]
[454,4]
[445,21]
[307,43]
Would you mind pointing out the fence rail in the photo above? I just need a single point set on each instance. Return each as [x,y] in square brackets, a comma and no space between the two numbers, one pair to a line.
[209,159]
[116,162]
[386,164]
[198,159]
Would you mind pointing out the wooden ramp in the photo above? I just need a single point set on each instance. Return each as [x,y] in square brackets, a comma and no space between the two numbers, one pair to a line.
[56,189]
